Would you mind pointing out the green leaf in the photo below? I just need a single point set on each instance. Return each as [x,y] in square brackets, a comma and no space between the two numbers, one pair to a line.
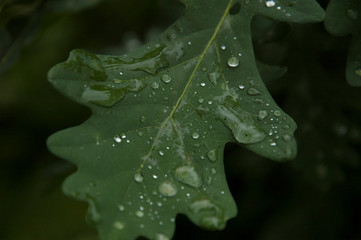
[343,18]
[162,114]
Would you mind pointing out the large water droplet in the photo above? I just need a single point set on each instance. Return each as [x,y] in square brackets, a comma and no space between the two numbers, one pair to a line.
[253,91]
[262,114]
[195,135]
[118,225]
[161,236]
[138,177]
[107,95]
[286,138]
[202,204]
[212,223]
[233,62]
[212,155]
[93,214]
[270,3]
[139,213]
[155,85]
[168,189]
[277,113]
[244,128]
[117,138]
[213,77]
[286,127]
[188,175]
[166,78]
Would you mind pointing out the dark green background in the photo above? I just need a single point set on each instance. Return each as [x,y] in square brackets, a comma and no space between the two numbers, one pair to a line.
[315,196]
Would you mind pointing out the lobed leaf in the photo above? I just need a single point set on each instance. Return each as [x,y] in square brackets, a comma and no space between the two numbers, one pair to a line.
[162,114]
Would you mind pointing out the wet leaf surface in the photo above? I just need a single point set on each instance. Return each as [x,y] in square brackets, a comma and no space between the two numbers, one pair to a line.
[162,114]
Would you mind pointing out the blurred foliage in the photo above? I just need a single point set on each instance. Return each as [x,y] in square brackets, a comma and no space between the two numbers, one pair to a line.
[342,18]
[316,196]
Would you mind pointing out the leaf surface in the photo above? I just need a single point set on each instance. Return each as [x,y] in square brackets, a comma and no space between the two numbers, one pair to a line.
[343,17]
[162,114]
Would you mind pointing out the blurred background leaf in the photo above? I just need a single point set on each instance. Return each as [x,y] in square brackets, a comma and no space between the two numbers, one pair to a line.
[343,17]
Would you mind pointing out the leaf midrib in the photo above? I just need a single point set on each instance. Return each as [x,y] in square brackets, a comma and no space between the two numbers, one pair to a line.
[171,115]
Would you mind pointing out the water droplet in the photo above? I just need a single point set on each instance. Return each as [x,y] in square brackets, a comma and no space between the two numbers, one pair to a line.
[212,155]
[212,223]
[161,236]
[204,69]
[223,47]
[155,85]
[233,62]
[244,128]
[210,102]
[202,204]
[352,14]
[138,177]
[166,78]
[286,127]
[257,100]
[117,138]
[241,86]
[161,152]
[168,189]
[188,175]
[277,113]
[155,176]
[118,225]
[212,77]
[94,215]
[139,213]
[273,144]
[286,138]
[201,100]
[203,84]
[270,3]
[195,135]
[358,71]
[121,207]
[253,91]
[213,171]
